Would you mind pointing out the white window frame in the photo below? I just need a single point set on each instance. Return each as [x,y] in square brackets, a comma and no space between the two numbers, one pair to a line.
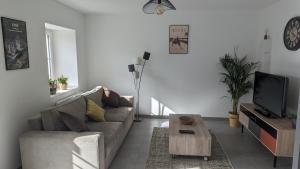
[50,58]
[52,61]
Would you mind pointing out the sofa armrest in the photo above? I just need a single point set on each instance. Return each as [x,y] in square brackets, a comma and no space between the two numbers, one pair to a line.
[62,150]
[127,101]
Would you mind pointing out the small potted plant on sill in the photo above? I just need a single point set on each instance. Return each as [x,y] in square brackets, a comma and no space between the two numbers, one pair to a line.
[53,86]
[236,77]
[62,83]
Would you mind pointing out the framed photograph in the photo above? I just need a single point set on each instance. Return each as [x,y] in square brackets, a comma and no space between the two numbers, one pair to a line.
[178,39]
[15,44]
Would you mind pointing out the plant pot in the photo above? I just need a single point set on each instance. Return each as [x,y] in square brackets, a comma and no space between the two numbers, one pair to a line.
[62,86]
[234,120]
[53,91]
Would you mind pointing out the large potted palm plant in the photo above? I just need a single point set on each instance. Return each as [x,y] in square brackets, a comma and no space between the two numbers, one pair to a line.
[236,77]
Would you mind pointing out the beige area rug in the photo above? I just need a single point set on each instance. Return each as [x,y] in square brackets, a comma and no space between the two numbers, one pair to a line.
[159,157]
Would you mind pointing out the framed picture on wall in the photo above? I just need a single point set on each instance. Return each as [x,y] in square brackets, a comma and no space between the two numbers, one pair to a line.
[15,44]
[178,39]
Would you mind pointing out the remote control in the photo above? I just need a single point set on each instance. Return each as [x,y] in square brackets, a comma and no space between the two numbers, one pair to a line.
[186,132]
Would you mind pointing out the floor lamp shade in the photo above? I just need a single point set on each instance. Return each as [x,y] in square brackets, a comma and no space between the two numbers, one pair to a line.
[137,73]
[151,7]
[146,56]
[131,68]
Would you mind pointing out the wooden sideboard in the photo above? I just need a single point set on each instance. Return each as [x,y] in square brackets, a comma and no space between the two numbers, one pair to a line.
[277,135]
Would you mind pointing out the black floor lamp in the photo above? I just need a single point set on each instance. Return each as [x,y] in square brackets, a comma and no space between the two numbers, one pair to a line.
[137,74]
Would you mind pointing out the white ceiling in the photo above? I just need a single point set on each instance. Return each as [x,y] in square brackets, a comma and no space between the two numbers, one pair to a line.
[134,6]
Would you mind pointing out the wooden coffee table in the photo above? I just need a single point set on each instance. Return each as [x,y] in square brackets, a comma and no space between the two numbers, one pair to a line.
[198,144]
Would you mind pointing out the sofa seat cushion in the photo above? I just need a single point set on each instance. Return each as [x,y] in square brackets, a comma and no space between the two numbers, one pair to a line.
[110,130]
[118,114]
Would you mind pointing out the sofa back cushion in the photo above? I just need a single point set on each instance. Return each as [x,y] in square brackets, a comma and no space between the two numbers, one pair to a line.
[52,121]
[73,123]
[76,108]
[35,123]
[95,95]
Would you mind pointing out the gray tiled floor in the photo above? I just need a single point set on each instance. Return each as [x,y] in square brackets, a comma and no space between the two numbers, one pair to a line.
[244,151]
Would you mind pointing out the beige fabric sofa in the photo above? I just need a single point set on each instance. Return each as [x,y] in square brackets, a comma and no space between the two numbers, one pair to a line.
[95,149]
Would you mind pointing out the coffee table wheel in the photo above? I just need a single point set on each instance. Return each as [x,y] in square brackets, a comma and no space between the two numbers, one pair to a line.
[205,158]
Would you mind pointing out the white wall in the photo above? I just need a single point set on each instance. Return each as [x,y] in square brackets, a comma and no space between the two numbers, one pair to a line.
[183,83]
[26,92]
[283,61]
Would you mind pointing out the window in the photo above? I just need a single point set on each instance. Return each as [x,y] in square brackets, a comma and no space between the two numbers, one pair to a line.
[62,55]
[49,53]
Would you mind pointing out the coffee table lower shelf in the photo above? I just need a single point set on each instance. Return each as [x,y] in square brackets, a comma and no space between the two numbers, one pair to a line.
[205,158]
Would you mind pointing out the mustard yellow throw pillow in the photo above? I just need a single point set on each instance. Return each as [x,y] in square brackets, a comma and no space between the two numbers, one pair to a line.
[95,112]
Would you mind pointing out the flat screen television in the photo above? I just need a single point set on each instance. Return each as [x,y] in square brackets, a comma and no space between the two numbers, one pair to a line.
[270,94]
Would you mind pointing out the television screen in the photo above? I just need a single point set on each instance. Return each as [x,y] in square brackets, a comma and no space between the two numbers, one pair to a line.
[270,92]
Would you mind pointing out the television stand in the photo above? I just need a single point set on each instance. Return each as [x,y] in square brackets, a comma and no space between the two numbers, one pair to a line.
[277,135]
[265,113]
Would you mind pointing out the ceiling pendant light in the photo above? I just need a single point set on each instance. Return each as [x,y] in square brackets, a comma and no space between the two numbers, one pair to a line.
[158,7]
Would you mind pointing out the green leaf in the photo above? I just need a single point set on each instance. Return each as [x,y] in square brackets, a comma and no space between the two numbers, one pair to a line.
[236,76]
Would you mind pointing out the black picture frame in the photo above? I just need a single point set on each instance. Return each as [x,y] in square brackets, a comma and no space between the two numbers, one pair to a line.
[184,39]
[15,43]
